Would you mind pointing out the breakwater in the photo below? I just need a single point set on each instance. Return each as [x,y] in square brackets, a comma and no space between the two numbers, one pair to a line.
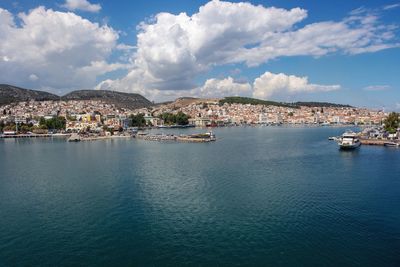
[32,135]
[194,138]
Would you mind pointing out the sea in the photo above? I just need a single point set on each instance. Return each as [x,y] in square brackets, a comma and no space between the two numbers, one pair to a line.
[258,196]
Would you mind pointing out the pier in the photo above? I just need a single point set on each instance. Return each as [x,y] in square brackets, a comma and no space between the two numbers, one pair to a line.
[3,136]
[193,138]
[77,138]
[375,142]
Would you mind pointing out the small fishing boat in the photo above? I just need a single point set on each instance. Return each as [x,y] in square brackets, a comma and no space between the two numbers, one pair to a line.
[391,144]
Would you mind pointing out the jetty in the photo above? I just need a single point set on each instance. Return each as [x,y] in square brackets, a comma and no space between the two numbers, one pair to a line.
[4,136]
[191,138]
[79,138]
[377,142]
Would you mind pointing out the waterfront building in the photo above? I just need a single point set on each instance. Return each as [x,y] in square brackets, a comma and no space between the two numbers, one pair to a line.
[200,122]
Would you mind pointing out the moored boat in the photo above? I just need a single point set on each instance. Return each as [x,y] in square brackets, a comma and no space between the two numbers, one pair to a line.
[349,140]
[391,144]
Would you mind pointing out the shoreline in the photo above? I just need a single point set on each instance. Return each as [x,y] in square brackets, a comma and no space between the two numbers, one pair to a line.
[5,136]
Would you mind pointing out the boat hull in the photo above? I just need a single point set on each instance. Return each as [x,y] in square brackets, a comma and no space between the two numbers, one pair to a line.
[391,144]
[349,147]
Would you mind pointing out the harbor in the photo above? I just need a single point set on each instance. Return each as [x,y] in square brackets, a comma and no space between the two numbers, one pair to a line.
[123,182]
[372,142]
[200,133]
[78,137]
[376,136]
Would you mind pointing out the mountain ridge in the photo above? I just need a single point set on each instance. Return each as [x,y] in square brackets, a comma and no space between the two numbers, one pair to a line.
[119,99]
[255,101]
[12,94]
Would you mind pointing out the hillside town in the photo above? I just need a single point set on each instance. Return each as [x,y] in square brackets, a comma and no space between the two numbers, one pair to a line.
[212,113]
[94,115]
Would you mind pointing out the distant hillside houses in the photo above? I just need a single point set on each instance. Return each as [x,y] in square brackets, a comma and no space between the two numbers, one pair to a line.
[98,115]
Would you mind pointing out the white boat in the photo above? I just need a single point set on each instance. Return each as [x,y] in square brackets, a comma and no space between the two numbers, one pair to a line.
[212,136]
[391,144]
[349,140]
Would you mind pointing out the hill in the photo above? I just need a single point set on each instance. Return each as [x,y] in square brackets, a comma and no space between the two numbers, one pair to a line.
[254,101]
[11,94]
[321,104]
[119,99]
[185,101]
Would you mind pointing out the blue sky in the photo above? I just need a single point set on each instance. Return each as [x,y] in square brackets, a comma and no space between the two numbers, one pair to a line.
[362,70]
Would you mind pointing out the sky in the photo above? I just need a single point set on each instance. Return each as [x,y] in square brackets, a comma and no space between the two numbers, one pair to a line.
[335,51]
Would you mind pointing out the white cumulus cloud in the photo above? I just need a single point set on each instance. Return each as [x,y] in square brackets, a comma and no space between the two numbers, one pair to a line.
[81,5]
[65,50]
[270,84]
[266,86]
[224,87]
[173,49]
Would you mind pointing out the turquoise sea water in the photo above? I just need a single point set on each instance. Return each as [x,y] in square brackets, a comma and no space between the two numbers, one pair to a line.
[263,196]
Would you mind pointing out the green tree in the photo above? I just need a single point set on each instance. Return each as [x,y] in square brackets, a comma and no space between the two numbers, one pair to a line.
[56,123]
[137,120]
[182,118]
[10,127]
[42,121]
[171,119]
[168,118]
[392,122]
[25,128]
